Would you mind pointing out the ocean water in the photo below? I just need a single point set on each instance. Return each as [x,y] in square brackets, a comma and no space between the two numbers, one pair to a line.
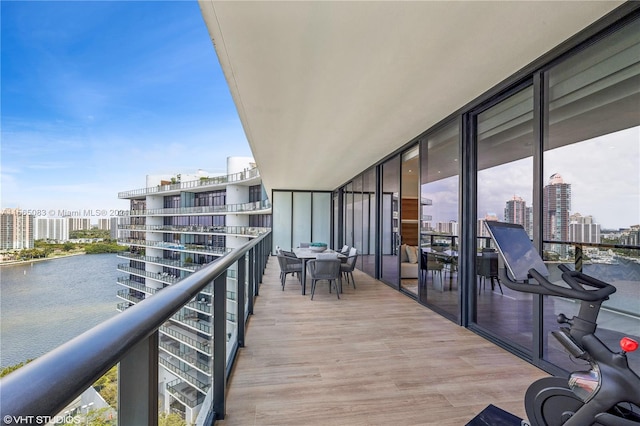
[45,304]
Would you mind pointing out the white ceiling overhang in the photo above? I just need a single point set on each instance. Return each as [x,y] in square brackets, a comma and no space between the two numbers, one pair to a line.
[326,89]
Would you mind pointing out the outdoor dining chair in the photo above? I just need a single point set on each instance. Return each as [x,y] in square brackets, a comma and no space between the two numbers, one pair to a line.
[327,269]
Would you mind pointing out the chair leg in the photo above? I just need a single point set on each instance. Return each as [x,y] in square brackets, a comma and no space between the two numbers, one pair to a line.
[313,288]
[335,283]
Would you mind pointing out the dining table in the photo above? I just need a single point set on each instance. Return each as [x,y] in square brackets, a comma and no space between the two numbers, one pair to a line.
[305,254]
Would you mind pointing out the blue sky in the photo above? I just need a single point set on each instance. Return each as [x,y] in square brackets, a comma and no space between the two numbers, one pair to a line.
[96,95]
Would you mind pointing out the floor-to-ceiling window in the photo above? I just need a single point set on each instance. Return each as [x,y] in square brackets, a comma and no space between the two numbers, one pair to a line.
[591,181]
[366,259]
[555,150]
[439,207]
[505,147]
[409,224]
[389,221]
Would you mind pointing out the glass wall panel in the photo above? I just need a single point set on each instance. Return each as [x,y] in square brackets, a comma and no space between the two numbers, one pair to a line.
[357,213]
[301,218]
[409,211]
[347,204]
[390,237]
[591,191]
[439,206]
[282,219]
[321,226]
[366,258]
[504,183]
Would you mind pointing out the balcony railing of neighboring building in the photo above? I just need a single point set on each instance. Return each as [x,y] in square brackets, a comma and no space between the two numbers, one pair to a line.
[197,342]
[247,231]
[251,207]
[186,356]
[187,376]
[158,276]
[194,248]
[124,294]
[182,391]
[160,261]
[48,384]
[135,285]
[200,184]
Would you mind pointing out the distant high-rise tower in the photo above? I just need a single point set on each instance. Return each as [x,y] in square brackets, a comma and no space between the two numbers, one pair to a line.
[516,211]
[556,204]
[16,230]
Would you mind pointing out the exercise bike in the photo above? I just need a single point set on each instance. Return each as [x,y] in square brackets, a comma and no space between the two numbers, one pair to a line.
[608,394]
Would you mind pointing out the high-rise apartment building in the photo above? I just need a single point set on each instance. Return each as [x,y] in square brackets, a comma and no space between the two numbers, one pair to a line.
[176,225]
[56,229]
[582,229]
[79,223]
[16,230]
[556,205]
[516,211]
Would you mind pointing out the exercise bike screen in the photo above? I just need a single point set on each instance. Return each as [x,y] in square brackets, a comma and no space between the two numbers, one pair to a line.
[516,249]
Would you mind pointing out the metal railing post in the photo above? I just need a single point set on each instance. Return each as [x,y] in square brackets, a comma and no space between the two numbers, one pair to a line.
[241,298]
[219,378]
[138,384]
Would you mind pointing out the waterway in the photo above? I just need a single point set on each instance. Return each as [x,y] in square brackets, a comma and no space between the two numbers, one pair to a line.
[45,304]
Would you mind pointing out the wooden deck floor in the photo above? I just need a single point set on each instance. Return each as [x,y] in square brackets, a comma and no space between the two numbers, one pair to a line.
[374,357]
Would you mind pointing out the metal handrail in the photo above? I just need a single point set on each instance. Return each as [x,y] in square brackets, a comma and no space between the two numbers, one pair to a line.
[51,382]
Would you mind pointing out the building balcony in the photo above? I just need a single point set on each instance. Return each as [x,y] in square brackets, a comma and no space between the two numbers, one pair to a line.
[124,294]
[243,231]
[162,276]
[189,356]
[186,372]
[188,337]
[375,347]
[191,267]
[178,247]
[247,177]
[136,285]
[256,207]
[191,320]
[185,393]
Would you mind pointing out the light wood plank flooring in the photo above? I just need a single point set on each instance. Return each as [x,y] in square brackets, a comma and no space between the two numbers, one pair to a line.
[374,357]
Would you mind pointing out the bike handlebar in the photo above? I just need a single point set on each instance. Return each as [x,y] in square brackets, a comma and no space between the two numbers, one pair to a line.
[576,280]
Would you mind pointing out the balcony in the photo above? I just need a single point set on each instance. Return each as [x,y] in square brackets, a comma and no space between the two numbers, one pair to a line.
[194,185]
[160,261]
[244,231]
[178,247]
[136,285]
[257,207]
[373,357]
[185,393]
[158,276]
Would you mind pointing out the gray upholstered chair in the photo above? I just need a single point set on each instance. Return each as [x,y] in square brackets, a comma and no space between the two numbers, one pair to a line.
[289,264]
[324,267]
[346,268]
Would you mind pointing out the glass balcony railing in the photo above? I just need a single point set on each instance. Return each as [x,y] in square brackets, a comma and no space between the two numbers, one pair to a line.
[185,375]
[160,261]
[193,248]
[159,276]
[199,185]
[250,231]
[185,393]
[136,285]
[198,343]
[189,357]
[124,294]
[191,320]
[255,206]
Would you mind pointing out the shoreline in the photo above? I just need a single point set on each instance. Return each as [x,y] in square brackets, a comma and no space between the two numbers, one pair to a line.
[41,259]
